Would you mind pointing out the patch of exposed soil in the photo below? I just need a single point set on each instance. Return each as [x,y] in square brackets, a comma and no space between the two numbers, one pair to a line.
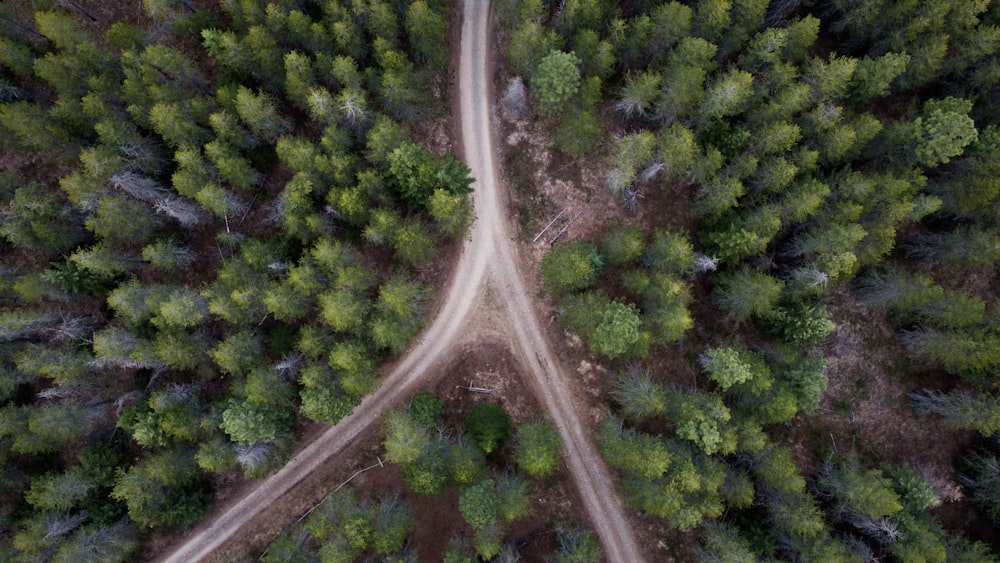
[865,403]
[484,364]
[865,410]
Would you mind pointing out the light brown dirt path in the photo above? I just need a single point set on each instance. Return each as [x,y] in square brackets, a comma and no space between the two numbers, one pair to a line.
[486,255]
[589,473]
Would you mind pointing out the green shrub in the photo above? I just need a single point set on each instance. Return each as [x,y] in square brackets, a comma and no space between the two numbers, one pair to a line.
[489,426]
[800,323]
[426,408]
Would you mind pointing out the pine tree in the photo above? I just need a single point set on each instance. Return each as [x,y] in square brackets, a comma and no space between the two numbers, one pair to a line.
[857,491]
[426,29]
[873,76]
[942,130]
[247,423]
[961,409]
[397,314]
[577,546]
[722,543]
[393,522]
[164,490]
[537,449]
[726,96]
[638,395]
[729,366]
[746,293]
[260,113]
[619,331]
[555,81]
[405,438]
[478,503]
[238,353]
[489,426]
[982,476]
[571,267]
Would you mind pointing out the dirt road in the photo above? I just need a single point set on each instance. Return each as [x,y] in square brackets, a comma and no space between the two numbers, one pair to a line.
[548,377]
[487,257]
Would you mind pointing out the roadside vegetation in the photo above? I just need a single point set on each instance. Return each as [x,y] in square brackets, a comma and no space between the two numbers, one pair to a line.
[838,157]
[216,221]
[483,476]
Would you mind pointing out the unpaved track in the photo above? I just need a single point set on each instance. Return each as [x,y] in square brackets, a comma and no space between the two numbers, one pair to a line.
[548,377]
[488,248]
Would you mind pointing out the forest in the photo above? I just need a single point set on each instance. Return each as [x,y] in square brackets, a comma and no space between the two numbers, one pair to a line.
[216,222]
[837,161]
[219,219]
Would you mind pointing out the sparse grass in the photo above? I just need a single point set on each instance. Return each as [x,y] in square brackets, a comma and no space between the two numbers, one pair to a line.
[842,406]
[531,206]
[517,163]
[861,387]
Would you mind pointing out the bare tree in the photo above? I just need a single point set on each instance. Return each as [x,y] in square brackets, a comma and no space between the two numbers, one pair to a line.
[79,9]
[962,409]
[983,479]
[72,327]
[105,543]
[945,489]
[351,104]
[252,456]
[60,392]
[143,154]
[704,264]
[60,524]
[186,213]
[630,197]
[862,549]
[885,530]
[515,100]
[140,187]
[173,395]
[809,278]
[25,325]
[290,365]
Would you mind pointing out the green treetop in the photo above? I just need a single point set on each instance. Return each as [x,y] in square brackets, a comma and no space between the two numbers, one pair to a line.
[555,80]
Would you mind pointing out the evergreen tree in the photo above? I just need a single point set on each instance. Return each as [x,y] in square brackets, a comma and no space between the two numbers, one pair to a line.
[746,293]
[638,395]
[426,31]
[982,476]
[729,366]
[856,491]
[260,113]
[489,426]
[961,409]
[721,542]
[479,503]
[397,314]
[942,130]
[571,267]
[164,490]
[554,81]
[405,438]
[537,449]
